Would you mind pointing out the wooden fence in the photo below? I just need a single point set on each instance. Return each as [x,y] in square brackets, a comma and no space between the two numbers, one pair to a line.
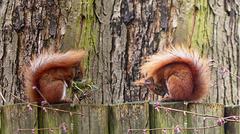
[118,119]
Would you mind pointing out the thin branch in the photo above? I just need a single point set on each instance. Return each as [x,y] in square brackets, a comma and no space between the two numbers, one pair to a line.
[3,97]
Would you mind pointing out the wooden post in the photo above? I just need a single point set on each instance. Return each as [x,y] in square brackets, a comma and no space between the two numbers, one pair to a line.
[232,127]
[93,121]
[127,116]
[52,119]
[118,119]
[199,121]
[19,116]
[163,117]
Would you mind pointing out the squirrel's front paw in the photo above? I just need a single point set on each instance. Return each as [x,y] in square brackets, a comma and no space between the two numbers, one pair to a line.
[66,101]
[167,99]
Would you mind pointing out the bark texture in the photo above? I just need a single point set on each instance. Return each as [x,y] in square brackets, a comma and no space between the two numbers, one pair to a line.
[27,26]
[119,34]
[224,49]
[141,28]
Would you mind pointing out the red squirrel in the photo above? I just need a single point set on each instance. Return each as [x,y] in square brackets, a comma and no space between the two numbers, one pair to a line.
[178,72]
[51,73]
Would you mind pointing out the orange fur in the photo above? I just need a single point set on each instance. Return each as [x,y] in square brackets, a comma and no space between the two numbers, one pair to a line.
[50,73]
[179,72]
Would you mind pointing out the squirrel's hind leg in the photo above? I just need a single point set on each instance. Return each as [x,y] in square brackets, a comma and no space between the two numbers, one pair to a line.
[56,92]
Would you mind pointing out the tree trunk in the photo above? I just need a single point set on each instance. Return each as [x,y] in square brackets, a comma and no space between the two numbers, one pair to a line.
[119,34]
[224,49]
[27,27]
[131,30]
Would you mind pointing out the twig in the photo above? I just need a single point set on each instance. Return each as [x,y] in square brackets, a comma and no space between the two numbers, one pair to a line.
[3,97]
[174,120]
[225,69]
[174,128]
[54,109]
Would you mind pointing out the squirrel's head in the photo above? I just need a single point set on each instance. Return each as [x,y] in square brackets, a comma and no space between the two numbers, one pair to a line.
[155,88]
[78,71]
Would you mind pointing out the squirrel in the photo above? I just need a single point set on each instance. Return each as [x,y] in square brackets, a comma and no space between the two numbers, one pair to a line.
[178,72]
[50,73]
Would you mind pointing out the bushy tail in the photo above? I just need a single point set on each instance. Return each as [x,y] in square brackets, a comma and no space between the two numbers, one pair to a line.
[44,62]
[199,66]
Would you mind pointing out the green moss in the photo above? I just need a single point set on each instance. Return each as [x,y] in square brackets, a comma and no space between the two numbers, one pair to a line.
[202,29]
[81,12]
[185,22]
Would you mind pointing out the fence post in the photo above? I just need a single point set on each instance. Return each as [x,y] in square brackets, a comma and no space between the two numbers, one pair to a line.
[165,118]
[94,119]
[232,127]
[18,116]
[197,121]
[129,115]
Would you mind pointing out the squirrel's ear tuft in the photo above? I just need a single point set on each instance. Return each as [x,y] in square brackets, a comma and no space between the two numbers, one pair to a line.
[77,64]
[149,81]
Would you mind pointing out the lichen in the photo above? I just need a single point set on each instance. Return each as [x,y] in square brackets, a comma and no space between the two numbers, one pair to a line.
[81,18]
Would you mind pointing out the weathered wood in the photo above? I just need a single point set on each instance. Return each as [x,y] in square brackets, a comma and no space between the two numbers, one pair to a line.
[117,119]
[163,119]
[14,117]
[129,116]
[195,121]
[224,49]
[100,68]
[94,119]
[232,127]
[119,34]
[81,32]
[9,61]
[0,120]
[50,119]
